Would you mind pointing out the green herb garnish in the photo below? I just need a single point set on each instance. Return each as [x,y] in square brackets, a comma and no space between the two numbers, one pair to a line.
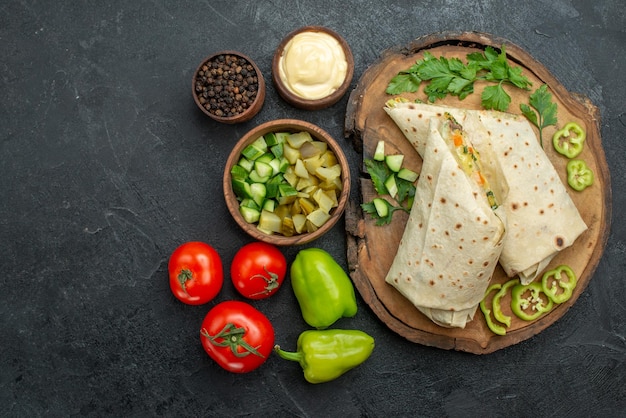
[450,76]
[404,191]
[545,115]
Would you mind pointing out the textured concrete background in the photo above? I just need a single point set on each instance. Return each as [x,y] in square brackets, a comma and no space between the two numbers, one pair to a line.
[106,166]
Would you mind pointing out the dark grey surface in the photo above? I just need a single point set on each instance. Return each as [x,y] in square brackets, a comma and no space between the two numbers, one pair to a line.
[106,167]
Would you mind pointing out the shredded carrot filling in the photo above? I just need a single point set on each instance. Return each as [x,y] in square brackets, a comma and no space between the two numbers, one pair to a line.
[458,139]
[480,178]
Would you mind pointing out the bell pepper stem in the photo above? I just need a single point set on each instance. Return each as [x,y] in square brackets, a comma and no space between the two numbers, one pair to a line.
[288,355]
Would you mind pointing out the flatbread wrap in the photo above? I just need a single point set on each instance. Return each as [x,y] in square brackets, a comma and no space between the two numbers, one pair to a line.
[541,217]
[454,234]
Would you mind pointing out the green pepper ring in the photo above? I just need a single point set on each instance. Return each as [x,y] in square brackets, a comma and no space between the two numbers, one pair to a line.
[495,328]
[567,286]
[571,146]
[497,307]
[518,302]
[579,175]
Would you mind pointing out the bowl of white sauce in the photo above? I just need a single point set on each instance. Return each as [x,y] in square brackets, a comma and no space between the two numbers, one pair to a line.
[312,68]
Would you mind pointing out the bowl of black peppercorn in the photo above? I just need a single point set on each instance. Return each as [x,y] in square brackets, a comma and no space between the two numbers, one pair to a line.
[228,87]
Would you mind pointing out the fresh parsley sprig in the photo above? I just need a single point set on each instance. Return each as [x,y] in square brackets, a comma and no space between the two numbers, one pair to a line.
[544,113]
[450,76]
[379,172]
[371,208]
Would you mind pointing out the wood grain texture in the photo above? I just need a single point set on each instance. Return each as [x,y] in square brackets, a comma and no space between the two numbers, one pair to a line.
[371,249]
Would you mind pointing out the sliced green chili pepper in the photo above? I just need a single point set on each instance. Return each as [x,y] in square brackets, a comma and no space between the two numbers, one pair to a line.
[324,355]
[555,287]
[495,328]
[569,141]
[497,307]
[323,289]
[529,301]
[579,175]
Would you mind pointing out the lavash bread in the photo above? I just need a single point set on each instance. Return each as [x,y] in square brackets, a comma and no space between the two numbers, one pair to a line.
[452,240]
[542,219]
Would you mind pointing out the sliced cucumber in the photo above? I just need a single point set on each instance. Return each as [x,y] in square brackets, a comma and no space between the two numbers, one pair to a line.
[284,165]
[265,158]
[258,191]
[277,150]
[394,162]
[272,186]
[238,172]
[379,153]
[287,190]
[281,137]
[255,177]
[270,139]
[409,201]
[246,164]
[241,188]
[250,215]
[391,185]
[249,202]
[275,164]
[255,149]
[382,208]
[269,205]
[263,169]
[408,175]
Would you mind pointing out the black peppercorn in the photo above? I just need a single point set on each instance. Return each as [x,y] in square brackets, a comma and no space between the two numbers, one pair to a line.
[226,85]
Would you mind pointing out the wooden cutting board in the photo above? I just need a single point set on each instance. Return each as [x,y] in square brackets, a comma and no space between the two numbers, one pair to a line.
[371,248]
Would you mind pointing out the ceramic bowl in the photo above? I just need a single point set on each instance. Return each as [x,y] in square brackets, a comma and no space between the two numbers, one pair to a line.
[289,126]
[228,87]
[297,100]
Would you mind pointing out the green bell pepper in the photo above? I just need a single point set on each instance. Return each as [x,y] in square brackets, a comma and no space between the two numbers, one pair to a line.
[323,289]
[324,355]
[569,141]
[555,287]
[529,302]
[579,175]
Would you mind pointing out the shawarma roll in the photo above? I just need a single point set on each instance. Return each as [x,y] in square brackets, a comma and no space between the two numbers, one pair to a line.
[542,219]
[454,234]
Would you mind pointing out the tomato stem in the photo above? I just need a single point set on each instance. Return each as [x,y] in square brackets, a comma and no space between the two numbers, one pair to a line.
[271,282]
[183,277]
[232,336]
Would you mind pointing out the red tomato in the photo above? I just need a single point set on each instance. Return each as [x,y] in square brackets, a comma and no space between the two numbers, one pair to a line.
[196,273]
[258,270]
[237,336]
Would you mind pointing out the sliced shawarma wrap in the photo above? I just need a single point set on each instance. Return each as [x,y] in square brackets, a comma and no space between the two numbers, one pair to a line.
[542,219]
[454,234]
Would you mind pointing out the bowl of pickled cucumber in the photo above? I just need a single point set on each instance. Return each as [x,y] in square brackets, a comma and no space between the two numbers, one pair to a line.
[286,182]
